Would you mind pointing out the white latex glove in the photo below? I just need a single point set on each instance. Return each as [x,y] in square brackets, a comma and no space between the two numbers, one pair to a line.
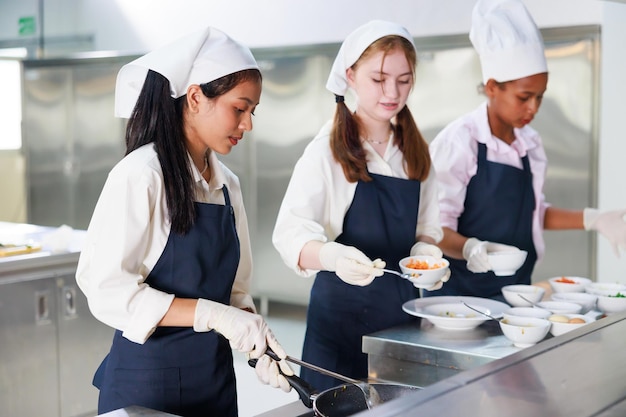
[610,224]
[350,264]
[475,253]
[439,284]
[247,332]
[269,372]
[423,248]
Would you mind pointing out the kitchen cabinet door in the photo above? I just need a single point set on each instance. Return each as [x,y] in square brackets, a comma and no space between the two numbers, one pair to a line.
[29,383]
[83,343]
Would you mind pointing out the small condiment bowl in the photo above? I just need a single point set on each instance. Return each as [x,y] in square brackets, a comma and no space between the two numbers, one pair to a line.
[560,327]
[427,277]
[587,301]
[605,288]
[525,331]
[560,307]
[506,263]
[533,293]
[568,284]
[535,312]
[609,304]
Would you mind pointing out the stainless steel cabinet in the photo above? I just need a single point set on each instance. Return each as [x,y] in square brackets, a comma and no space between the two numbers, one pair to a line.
[50,344]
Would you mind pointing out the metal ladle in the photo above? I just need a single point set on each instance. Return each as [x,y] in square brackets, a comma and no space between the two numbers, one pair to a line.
[372,398]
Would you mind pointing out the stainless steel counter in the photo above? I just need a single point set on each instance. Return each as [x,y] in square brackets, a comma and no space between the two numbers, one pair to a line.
[421,355]
[50,344]
[579,374]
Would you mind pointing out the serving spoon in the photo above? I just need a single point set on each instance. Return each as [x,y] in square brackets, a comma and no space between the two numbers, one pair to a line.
[529,302]
[400,274]
[478,311]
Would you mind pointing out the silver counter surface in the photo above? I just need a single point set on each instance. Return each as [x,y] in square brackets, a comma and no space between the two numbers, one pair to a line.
[32,265]
[421,355]
[579,374]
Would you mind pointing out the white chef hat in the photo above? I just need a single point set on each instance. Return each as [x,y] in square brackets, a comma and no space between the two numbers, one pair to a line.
[507,40]
[197,58]
[354,45]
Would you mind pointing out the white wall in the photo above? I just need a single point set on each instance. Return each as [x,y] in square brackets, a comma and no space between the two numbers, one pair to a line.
[141,25]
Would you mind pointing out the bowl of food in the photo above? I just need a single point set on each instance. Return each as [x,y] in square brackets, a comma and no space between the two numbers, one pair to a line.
[525,331]
[506,263]
[569,284]
[425,271]
[455,316]
[535,312]
[532,293]
[560,307]
[587,301]
[563,323]
[605,288]
[609,304]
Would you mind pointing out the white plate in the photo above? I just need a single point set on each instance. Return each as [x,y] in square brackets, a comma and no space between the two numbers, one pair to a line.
[417,307]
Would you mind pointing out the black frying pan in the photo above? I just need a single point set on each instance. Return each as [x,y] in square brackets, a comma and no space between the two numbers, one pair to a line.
[343,400]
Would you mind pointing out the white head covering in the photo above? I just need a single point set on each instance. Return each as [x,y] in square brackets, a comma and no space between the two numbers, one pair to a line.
[197,58]
[507,40]
[354,45]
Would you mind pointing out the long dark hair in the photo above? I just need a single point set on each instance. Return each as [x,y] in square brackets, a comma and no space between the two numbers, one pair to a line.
[345,139]
[158,118]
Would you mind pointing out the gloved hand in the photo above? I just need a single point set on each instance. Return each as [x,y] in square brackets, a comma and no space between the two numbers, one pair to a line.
[350,264]
[247,332]
[423,248]
[475,253]
[269,372]
[610,224]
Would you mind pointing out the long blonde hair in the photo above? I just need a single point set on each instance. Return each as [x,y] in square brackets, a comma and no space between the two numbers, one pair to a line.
[345,135]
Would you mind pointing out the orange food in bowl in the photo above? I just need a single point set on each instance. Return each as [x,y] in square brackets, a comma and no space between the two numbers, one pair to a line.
[418,264]
[576,320]
[565,280]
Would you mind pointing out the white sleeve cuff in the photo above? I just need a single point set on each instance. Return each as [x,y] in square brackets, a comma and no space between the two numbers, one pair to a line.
[152,308]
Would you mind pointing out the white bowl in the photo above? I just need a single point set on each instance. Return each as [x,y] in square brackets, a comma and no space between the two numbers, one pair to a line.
[605,288]
[558,327]
[535,312]
[587,301]
[425,278]
[560,307]
[569,284]
[455,316]
[506,263]
[525,331]
[531,292]
[611,304]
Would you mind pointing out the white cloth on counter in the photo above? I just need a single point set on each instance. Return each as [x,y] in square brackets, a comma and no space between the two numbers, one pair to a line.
[318,197]
[454,152]
[128,232]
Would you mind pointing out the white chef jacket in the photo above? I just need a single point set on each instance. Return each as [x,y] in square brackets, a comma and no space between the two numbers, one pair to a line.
[455,153]
[319,195]
[128,233]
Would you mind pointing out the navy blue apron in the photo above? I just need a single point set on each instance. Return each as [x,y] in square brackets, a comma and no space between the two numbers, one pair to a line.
[178,370]
[499,207]
[381,222]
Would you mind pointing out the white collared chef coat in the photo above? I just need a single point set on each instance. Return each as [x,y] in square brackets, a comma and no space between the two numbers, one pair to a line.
[319,195]
[455,154]
[128,233]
